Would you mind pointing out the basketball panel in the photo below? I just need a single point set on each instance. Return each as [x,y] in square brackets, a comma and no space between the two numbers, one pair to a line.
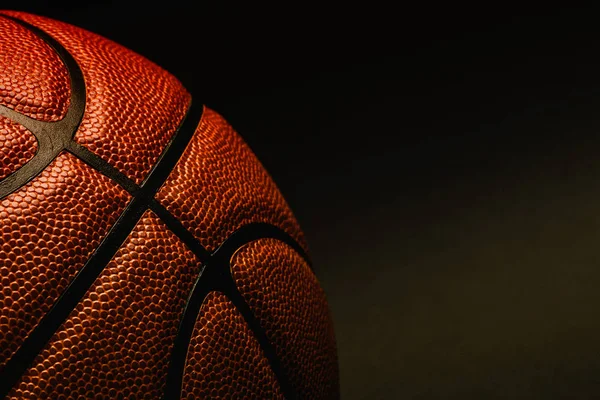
[17,146]
[117,342]
[291,306]
[33,78]
[49,229]
[133,107]
[224,360]
[219,185]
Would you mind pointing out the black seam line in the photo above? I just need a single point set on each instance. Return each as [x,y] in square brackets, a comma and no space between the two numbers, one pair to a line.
[179,230]
[118,233]
[216,276]
[103,167]
[52,137]
[232,292]
[71,296]
[173,150]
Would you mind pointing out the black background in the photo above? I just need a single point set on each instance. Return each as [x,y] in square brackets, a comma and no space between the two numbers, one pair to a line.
[443,163]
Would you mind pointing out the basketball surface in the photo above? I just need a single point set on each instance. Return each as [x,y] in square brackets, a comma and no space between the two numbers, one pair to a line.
[144,250]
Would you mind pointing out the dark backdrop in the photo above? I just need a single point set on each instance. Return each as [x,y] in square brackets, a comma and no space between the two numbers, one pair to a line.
[442,162]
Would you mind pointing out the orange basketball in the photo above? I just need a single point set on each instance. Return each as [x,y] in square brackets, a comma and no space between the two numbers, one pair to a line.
[144,250]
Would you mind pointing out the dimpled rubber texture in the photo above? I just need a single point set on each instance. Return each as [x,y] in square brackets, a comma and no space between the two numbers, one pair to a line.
[224,360]
[17,146]
[49,228]
[133,106]
[116,343]
[219,185]
[290,304]
[33,79]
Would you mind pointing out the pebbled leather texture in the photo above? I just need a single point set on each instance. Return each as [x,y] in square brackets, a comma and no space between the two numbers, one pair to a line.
[287,299]
[219,185]
[17,146]
[33,79]
[224,360]
[116,343]
[49,229]
[133,106]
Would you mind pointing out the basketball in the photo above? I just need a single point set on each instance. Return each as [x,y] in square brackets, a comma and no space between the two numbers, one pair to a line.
[145,252]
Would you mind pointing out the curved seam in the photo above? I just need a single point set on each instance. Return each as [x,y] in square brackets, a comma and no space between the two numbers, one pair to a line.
[216,276]
[52,137]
